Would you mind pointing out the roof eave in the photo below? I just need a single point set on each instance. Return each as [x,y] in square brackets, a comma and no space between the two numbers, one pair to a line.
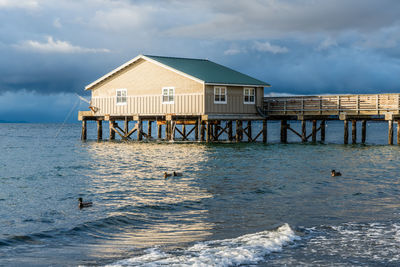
[234,84]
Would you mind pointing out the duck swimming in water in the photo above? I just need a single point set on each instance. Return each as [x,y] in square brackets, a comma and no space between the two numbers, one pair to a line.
[335,173]
[84,204]
[177,173]
[167,175]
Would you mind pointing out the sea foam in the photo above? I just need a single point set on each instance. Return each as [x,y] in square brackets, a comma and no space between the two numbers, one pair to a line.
[246,249]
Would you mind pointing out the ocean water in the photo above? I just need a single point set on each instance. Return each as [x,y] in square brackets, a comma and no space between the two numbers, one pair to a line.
[235,204]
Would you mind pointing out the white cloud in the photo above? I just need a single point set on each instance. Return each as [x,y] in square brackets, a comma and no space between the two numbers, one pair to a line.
[267,47]
[232,51]
[57,46]
[57,23]
[327,43]
[24,4]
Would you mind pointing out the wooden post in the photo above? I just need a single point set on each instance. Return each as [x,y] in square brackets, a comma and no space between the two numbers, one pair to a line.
[363,131]
[216,129]
[249,131]
[239,130]
[283,131]
[230,131]
[149,123]
[112,133]
[99,130]
[159,131]
[398,132]
[202,131]
[322,125]
[126,128]
[208,130]
[303,131]
[139,130]
[167,129]
[314,130]
[265,131]
[84,130]
[183,130]
[354,131]
[346,132]
[197,130]
[390,141]
[173,125]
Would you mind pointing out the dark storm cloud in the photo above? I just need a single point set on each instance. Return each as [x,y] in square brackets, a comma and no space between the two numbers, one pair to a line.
[299,46]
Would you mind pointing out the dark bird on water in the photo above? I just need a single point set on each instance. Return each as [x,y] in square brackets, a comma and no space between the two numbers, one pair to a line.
[335,173]
[84,204]
[166,174]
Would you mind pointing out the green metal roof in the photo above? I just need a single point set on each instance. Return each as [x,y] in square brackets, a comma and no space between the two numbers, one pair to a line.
[208,71]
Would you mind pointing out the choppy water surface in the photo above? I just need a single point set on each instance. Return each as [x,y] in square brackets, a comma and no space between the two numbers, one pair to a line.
[236,204]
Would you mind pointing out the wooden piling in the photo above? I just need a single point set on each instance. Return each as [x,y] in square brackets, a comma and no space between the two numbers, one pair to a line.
[202,131]
[126,125]
[208,130]
[216,130]
[167,129]
[112,132]
[314,131]
[322,129]
[230,131]
[346,132]
[84,130]
[363,131]
[304,131]
[139,130]
[249,131]
[283,131]
[354,132]
[183,130]
[99,130]
[239,130]
[390,134]
[265,131]
[197,130]
[398,132]
[149,123]
[159,131]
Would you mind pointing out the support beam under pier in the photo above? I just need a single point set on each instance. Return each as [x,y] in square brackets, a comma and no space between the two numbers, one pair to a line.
[99,130]
[354,132]
[322,129]
[363,131]
[346,132]
[84,130]
[390,133]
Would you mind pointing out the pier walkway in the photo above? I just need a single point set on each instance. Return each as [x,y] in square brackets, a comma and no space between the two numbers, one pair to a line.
[314,109]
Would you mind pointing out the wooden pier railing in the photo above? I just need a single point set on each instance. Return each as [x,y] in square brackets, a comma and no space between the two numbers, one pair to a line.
[377,104]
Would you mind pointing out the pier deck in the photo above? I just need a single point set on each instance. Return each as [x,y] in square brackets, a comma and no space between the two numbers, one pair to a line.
[208,128]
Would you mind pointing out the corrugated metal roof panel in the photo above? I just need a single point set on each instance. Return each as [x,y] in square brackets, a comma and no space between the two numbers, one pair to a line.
[208,71]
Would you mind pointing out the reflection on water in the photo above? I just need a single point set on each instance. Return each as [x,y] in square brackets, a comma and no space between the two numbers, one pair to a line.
[128,178]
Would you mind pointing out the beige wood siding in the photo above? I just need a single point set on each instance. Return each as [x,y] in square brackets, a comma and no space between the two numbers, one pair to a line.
[188,104]
[235,101]
[144,81]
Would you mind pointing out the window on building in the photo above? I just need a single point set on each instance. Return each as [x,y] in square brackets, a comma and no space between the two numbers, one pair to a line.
[249,95]
[121,96]
[168,95]
[220,95]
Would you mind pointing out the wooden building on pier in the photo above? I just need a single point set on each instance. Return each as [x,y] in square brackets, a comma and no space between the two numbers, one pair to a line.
[212,100]
[174,91]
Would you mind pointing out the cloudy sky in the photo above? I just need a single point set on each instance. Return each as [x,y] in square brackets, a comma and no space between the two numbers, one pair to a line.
[49,50]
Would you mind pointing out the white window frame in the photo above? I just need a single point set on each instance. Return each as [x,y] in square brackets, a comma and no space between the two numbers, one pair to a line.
[124,94]
[168,91]
[249,95]
[216,88]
